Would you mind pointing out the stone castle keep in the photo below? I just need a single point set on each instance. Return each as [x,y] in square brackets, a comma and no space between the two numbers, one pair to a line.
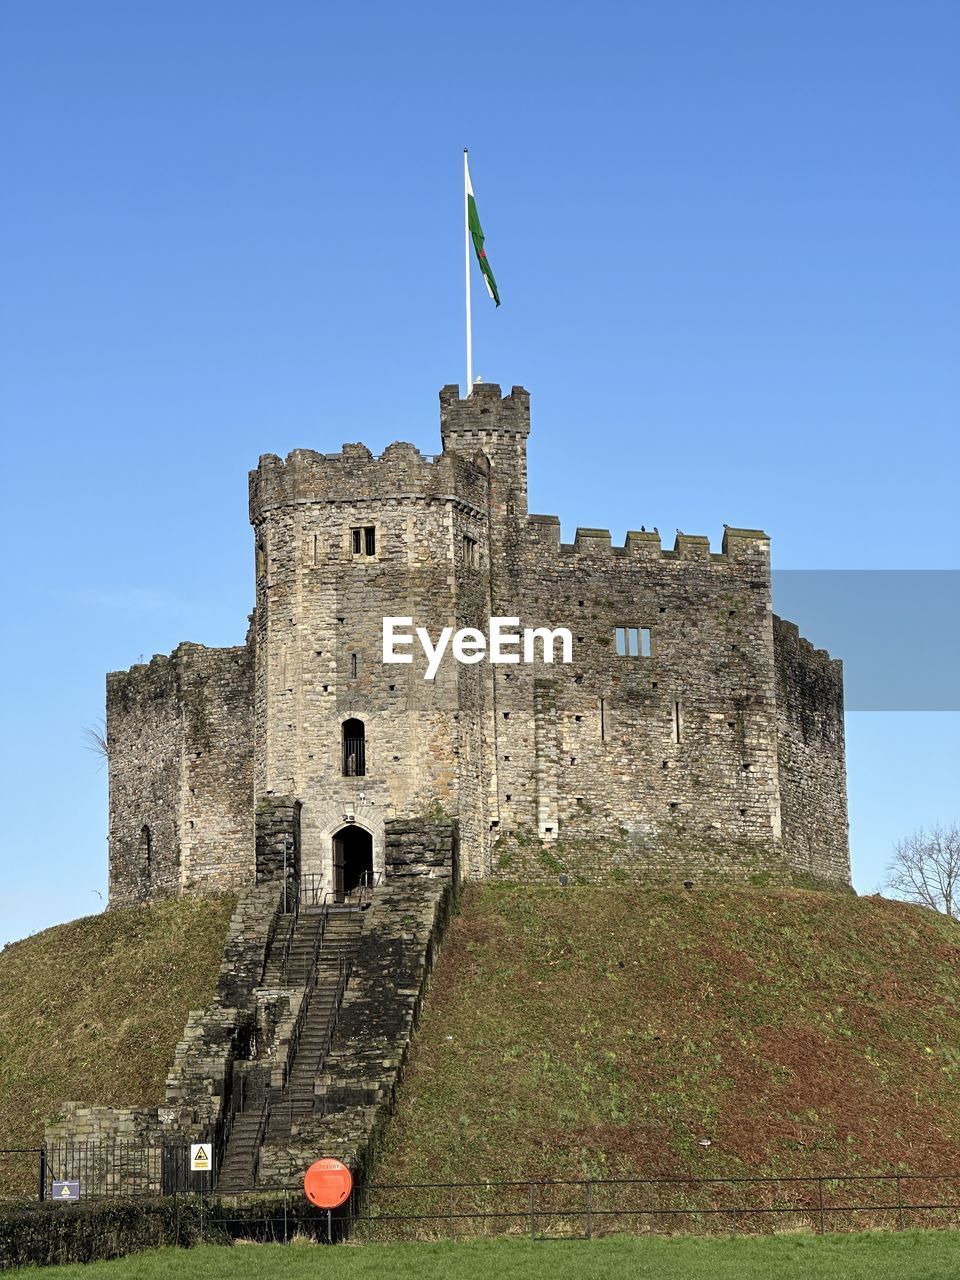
[694,734]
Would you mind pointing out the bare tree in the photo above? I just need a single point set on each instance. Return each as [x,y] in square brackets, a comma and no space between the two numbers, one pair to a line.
[925,868]
[95,740]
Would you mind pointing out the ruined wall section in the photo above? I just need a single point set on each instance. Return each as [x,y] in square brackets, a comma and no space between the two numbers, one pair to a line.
[217,823]
[663,765]
[320,609]
[179,734]
[145,742]
[810,737]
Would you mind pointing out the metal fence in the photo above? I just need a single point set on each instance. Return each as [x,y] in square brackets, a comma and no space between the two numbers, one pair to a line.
[583,1209]
[543,1209]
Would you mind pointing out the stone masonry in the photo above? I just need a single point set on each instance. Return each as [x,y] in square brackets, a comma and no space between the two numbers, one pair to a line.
[711,748]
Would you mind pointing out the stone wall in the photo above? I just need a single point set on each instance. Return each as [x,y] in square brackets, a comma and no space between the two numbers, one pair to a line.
[216,812]
[813,786]
[419,847]
[657,762]
[180,745]
[145,743]
[110,1150]
[278,837]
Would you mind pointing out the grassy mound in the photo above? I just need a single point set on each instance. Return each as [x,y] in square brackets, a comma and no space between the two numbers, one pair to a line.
[92,1011]
[615,1032]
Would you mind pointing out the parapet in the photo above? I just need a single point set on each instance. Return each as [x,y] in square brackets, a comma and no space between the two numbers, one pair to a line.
[482,413]
[787,639]
[738,544]
[356,475]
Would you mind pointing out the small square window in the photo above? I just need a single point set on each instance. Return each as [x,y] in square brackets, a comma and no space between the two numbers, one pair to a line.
[363,541]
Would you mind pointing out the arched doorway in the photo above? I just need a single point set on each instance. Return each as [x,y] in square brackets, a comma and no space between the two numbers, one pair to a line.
[352,861]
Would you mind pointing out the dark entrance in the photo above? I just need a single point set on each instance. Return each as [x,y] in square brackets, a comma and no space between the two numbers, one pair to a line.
[352,861]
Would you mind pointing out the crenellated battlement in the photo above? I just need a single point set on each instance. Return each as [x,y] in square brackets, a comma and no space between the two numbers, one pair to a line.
[356,474]
[738,544]
[484,411]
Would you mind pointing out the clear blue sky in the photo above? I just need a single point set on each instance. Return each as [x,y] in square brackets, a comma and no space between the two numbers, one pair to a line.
[726,240]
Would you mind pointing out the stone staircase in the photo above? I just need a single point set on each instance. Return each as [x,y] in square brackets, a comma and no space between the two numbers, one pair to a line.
[257,1070]
[309,960]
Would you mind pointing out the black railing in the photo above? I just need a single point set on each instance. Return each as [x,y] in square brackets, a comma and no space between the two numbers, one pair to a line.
[231,1108]
[540,1209]
[124,1167]
[283,1107]
[312,891]
[333,1015]
[582,1209]
[366,887]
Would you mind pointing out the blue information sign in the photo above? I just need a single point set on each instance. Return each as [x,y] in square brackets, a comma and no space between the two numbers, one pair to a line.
[66,1190]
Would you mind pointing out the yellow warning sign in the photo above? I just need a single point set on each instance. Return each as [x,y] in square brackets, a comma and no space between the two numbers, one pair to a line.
[200,1157]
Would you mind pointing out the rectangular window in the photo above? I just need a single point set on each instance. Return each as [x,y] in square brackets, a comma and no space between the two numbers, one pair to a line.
[677,722]
[633,642]
[363,541]
[471,557]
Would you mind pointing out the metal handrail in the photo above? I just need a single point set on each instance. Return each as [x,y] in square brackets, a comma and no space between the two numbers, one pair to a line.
[366,889]
[333,1017]
[285,954]
[260,1136]
[311,981]
[237,1101]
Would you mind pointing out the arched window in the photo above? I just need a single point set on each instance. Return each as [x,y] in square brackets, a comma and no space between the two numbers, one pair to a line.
[354,749]
[146,848]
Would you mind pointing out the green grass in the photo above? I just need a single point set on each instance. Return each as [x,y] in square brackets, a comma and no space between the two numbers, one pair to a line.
[92,1011]
[914,1255]
[604,1032]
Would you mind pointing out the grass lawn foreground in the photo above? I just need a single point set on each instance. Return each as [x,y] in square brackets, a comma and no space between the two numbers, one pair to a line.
[912,1255]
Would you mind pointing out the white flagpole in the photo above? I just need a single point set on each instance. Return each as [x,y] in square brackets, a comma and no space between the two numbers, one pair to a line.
[466,262]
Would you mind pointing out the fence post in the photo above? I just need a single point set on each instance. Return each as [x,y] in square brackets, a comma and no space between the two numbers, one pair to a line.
[453,1229]
[286,1238]
[533,1234]
[820,1196]
[899,1205]
[43,1173]
[588,1186]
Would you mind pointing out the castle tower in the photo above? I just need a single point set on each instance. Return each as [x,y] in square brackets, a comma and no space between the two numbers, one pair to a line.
[342,542]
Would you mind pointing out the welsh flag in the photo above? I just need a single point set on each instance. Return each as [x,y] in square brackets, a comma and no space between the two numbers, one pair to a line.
[476,234]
